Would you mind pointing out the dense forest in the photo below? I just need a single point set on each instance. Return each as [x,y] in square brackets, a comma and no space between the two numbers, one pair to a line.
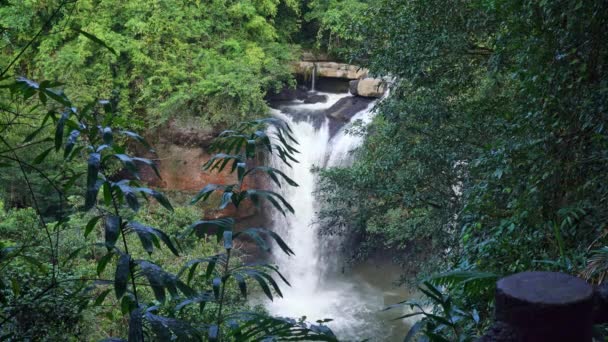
[486,157]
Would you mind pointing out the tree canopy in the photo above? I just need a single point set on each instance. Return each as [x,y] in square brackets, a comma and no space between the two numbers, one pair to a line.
[490,149]
[212,60]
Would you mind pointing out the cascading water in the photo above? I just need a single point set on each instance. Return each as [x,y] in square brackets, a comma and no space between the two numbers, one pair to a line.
[319,290]
[314,77]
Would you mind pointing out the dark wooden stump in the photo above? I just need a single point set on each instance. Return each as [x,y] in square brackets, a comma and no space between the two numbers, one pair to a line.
[600,313]
[543,306]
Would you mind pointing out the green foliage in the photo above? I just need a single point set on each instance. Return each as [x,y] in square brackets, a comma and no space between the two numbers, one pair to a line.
[490,149]
[221,62]
[42,310]
[165,60]
[149,293]
[444,321]
[406,204]
[340,24]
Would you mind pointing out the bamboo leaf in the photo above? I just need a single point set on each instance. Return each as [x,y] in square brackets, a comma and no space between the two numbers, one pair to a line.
[96,40]
[121,277]
[91,225]
[112,229]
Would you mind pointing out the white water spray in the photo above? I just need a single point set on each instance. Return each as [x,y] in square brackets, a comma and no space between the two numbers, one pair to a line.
[319,291]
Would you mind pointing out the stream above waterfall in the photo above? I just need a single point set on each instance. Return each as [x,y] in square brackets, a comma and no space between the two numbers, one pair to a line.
[320,286]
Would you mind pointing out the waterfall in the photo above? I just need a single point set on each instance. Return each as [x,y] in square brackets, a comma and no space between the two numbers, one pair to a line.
[314,77]
[319,291]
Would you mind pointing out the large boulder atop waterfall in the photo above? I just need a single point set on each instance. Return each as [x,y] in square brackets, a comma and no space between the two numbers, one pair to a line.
[368,87]
[330,70]
[347,107]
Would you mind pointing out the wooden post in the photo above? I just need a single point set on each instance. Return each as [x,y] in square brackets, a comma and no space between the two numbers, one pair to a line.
[542,306]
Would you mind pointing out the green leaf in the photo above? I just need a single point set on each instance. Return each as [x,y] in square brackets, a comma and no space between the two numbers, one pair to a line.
[242,284]
[103,262]
[96,40]
[136,332]
[93,165]
[213,333]
[219,161]
[228,239]
[127,305]
[150,164]
[136,137]
[71,180]
[145,236]
[160,198]
[69,146]
[107,136]
[167,241]
[275,199]
[107,194]
[226,199]
[201,298]
[160,280]
[129,194]
[256,235]
[148,235]
[262,283]
[128,163]
[73,254]
[192,264]
[411,334]
[217,283]
[473,282]
[40,158]
[207,191]
[57,95]
[112,229]
[101,297]
[15,287]
[272,173]
[35,133]
[217,226]
[121,277]
[91,225]
[60,128]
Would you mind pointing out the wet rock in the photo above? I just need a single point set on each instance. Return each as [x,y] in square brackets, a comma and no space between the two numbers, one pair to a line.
[332,85]
[288,94]
[352,87]
[346,108]
[315,98]
[368,87]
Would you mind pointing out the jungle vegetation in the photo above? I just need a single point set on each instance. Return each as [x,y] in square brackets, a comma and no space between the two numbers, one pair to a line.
[488,157]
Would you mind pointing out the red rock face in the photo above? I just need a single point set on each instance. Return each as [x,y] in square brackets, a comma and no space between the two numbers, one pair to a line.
[181,169]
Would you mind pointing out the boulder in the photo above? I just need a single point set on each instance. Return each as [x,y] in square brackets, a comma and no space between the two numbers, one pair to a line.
[330,70]
[352,87]
[347,107]
[288,94]
[368,87]
[315,98]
